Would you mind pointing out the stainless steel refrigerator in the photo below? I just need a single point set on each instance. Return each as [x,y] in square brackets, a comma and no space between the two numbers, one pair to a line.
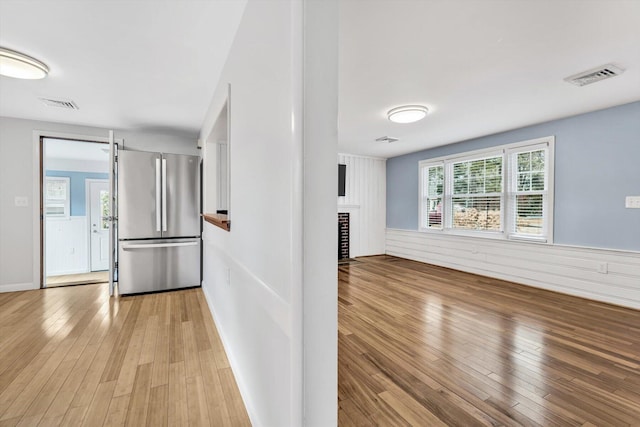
[158,221]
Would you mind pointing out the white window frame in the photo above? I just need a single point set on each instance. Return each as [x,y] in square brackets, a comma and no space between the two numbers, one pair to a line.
[67,200]
[427,165]
[507,231]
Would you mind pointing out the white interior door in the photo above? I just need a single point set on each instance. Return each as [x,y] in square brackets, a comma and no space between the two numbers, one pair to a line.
[99,224]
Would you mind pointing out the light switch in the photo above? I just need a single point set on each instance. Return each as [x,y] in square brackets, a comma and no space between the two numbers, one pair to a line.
[21,201]
[632,202]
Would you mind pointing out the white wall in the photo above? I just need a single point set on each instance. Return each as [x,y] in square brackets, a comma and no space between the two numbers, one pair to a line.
[271,281]
[17,164]
[599,274]
[365,201]
[67,250]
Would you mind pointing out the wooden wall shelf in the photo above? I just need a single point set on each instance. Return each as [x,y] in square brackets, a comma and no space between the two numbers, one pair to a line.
[218,220]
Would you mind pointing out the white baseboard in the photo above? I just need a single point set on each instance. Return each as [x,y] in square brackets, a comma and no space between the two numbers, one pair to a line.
[244,392]
[564,269]
[16,287]
[67,272]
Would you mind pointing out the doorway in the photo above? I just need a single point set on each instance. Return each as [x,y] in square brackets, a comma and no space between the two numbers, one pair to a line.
[75,196]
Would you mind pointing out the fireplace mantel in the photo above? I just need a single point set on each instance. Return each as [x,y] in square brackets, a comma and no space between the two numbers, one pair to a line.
[348,207]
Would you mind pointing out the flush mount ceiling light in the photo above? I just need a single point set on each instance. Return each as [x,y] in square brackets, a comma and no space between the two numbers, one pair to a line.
[20,66]
[407,113]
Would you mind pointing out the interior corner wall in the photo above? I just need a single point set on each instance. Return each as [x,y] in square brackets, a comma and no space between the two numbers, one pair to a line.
[17,179]
[365,201]
[255,275]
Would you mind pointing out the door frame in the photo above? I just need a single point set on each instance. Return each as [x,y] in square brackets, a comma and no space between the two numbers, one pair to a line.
[87,190]
[39,225]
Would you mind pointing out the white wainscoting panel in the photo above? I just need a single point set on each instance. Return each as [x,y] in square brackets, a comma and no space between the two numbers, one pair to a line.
[66,246]
[254,324]
[365,200]
[565,269]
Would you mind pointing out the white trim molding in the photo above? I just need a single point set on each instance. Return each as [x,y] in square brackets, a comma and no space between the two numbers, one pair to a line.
[604,275]
[16,287]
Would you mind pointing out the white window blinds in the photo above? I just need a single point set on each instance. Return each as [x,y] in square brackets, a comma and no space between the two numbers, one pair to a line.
[476,196]
[528,191]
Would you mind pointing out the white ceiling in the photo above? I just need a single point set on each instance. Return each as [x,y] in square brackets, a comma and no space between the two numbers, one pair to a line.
[480,66]
[145,65]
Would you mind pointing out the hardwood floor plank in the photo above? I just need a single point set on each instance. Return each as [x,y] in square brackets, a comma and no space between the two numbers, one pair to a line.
[460,349]
[117,412]
[99,406]
[89,359]
[160,372]
[139,402]
[158,413]
[74,416]
[191,356]
[197,402]
[178,409]
[233,399]
[218,413]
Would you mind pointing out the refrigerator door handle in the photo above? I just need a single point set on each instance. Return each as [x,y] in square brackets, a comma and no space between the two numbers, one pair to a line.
[158,197]
[164,194]
[158,245]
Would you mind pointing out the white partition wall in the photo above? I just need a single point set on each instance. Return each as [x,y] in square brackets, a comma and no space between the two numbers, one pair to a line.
[365,201]
[271,281]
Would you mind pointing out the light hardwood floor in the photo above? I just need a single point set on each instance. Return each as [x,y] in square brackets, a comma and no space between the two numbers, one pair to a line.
[74,356]
[429,346]
[77,279]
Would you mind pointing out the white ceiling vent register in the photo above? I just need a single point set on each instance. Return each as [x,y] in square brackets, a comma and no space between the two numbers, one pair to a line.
[594,75]
[61,103]
[388,139]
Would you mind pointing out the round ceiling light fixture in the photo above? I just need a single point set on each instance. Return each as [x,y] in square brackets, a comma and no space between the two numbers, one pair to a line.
[407,113]
[20,66]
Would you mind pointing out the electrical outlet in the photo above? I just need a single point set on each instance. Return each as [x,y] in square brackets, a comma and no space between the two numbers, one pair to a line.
[21,201]
[632,202]
[603,267]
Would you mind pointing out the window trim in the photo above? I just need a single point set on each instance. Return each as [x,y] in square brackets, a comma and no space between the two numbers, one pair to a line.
[505,151]
[437,163]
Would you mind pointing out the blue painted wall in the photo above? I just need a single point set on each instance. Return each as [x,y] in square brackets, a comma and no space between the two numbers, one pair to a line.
[77,184]
[597,165]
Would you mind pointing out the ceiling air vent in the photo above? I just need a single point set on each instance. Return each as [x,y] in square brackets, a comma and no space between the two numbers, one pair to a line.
[388,139]
[594,75]
[61,103]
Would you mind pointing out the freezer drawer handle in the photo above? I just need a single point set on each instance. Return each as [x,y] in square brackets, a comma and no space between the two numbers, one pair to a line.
[158,245]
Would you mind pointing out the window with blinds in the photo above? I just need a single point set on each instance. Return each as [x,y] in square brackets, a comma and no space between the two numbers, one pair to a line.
[503,192]
[432,195]
[528,191]
[57,197]
[476,199]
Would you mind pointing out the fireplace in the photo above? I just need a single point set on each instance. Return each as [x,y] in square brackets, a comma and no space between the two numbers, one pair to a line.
[343,235]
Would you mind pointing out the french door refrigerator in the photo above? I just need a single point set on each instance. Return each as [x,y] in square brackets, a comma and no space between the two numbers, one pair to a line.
[158,221]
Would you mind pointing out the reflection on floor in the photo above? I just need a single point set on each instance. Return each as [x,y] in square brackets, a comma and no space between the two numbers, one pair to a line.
[429,346]
[78,279]
[76,357]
